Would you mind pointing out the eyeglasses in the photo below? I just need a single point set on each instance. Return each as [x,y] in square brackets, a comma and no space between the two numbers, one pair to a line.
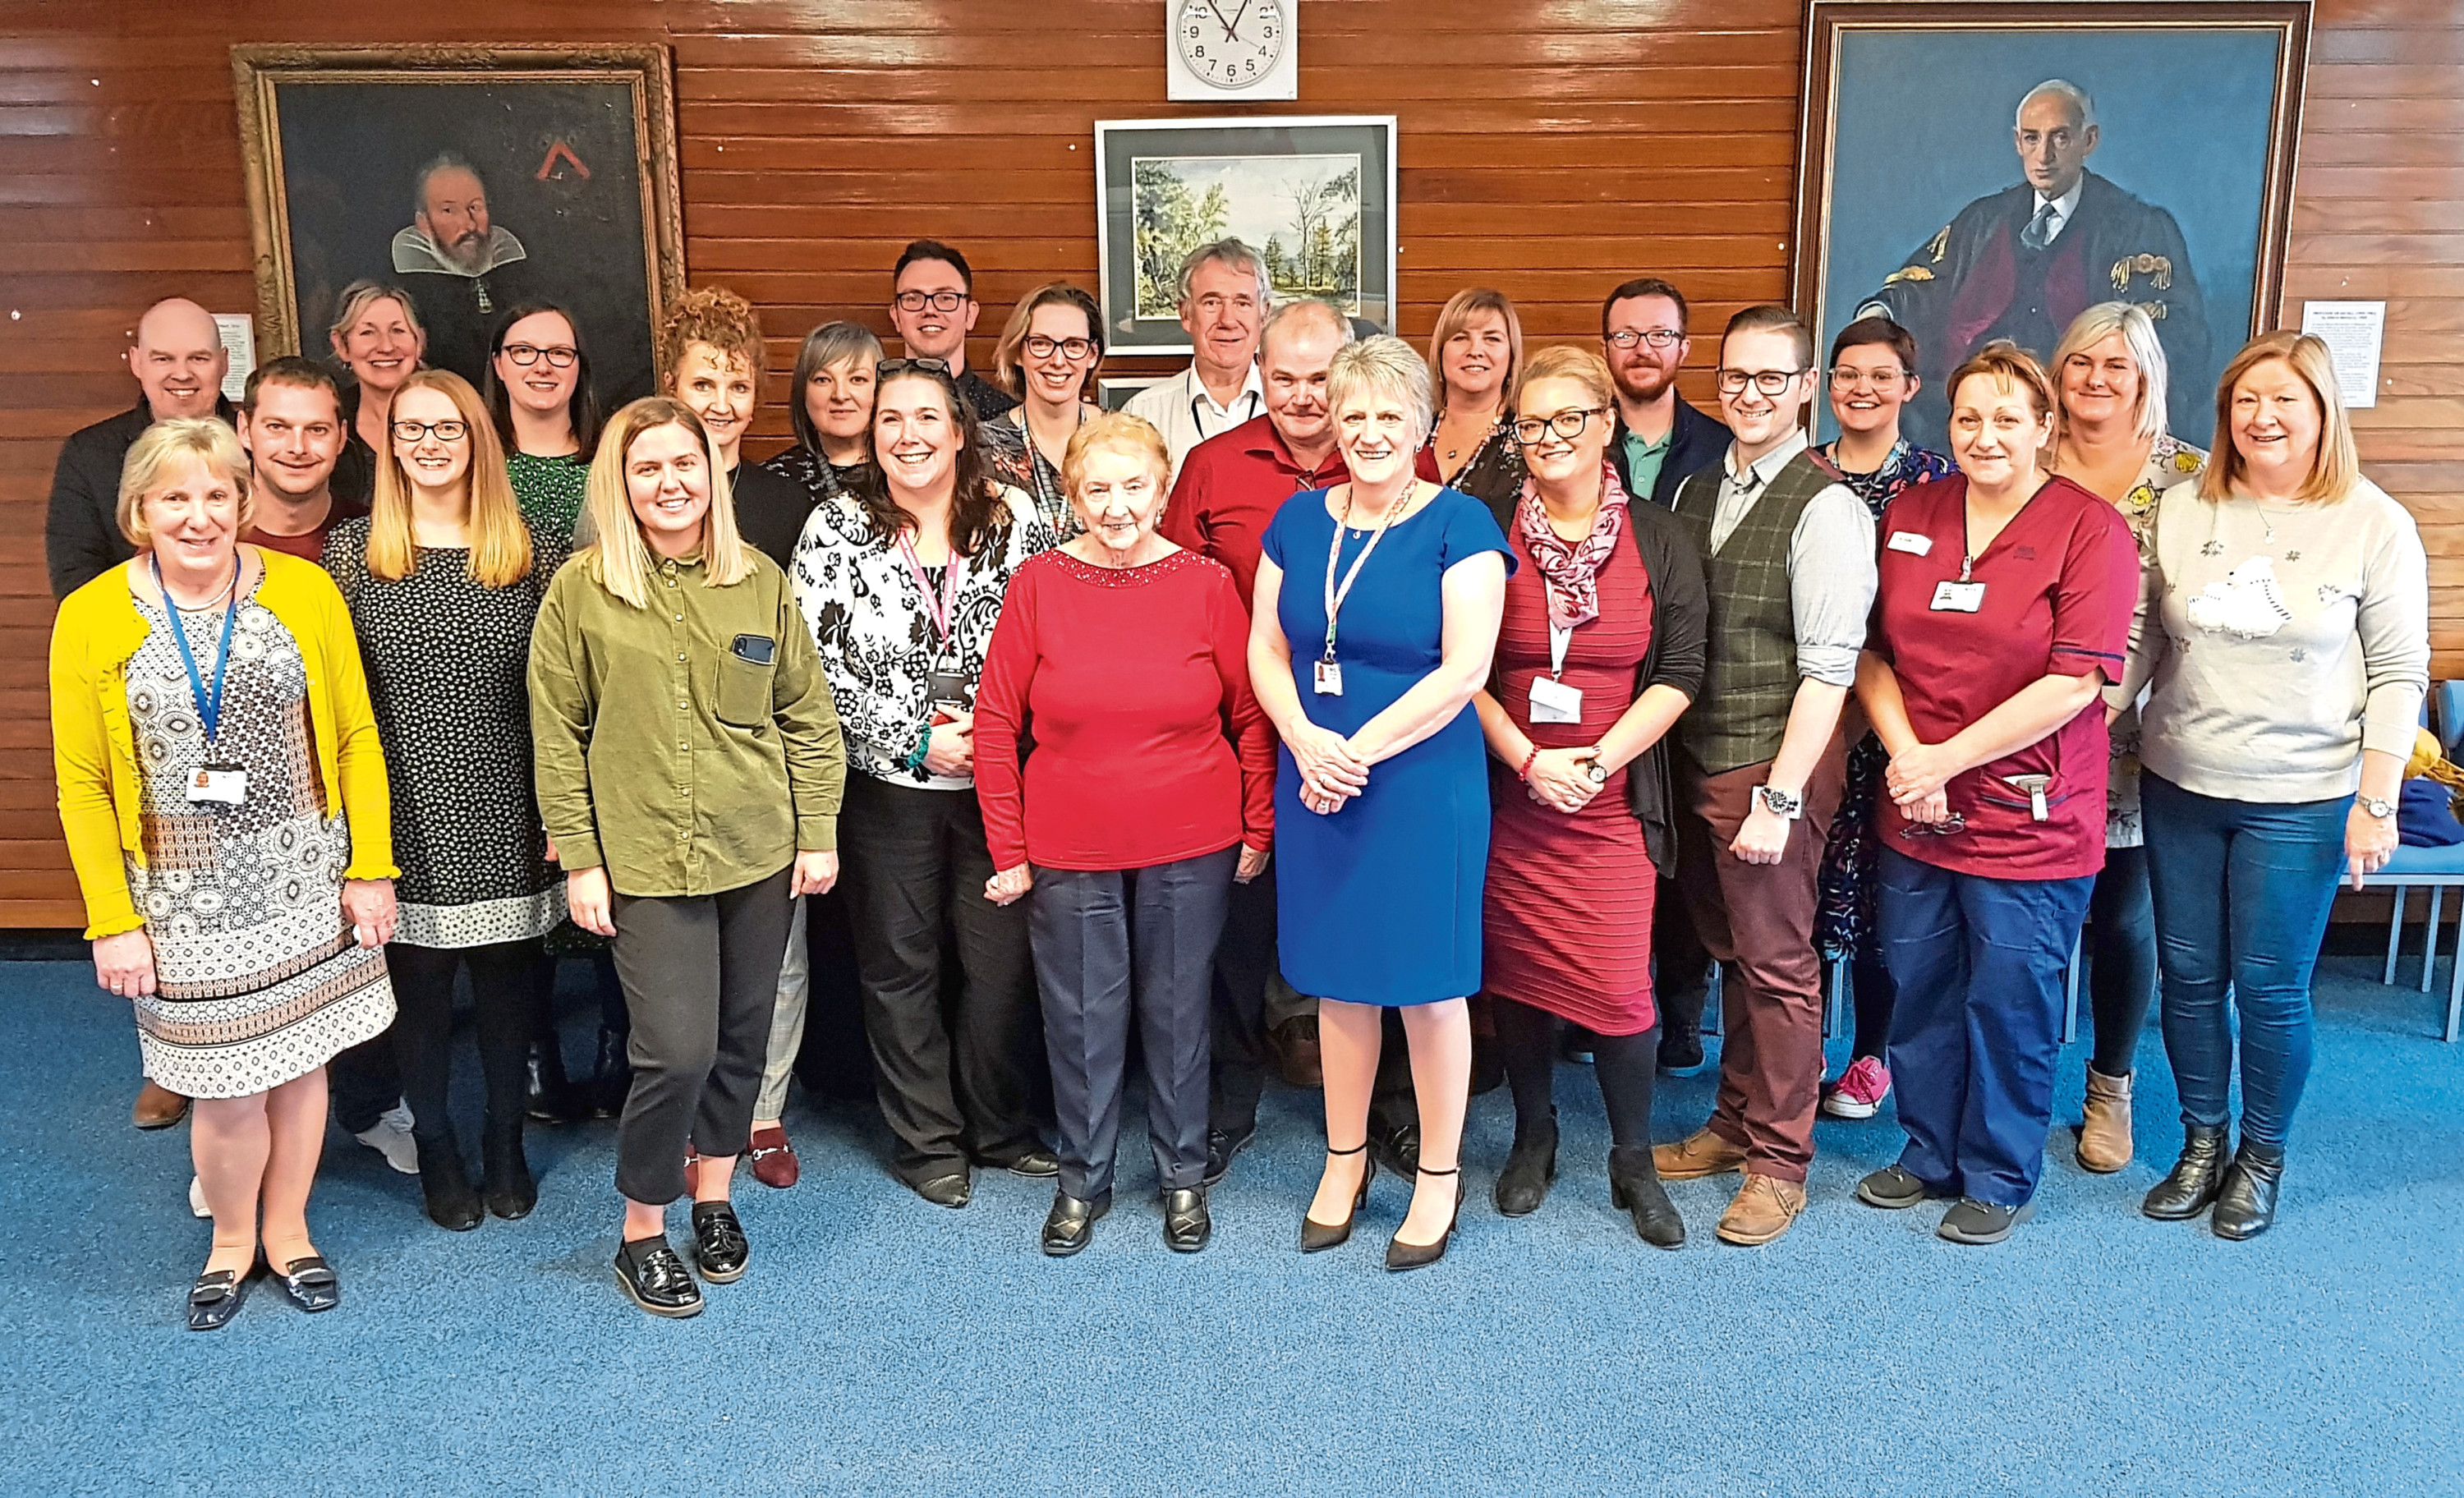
[1946,827]
[1568,425]
[1769,382]
[938,301]
[1848,379]
[445,430]
[1038,346]
[937,367]
[1656,338]
[524,355]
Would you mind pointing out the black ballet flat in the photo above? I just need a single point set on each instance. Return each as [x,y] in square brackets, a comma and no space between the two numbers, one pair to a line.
[310,1284]
[1402,1256]
[215,1298]
[1317,1237]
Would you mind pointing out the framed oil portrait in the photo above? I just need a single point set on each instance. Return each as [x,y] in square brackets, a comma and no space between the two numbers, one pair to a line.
[1314,195]
[1978,171]
[476,178]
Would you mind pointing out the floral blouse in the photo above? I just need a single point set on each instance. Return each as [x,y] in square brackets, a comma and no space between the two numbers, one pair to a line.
[2170,461]
[874,629]
[1017,461]
[1907,464]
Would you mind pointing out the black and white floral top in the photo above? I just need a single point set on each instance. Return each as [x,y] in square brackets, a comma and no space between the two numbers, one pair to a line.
[874,629]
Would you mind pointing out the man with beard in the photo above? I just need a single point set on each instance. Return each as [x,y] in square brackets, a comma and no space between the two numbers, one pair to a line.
[1661,441]
[1223,292]
[933,305]
[459,266]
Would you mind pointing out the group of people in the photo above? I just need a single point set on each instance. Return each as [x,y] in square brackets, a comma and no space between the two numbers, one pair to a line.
[1412,720]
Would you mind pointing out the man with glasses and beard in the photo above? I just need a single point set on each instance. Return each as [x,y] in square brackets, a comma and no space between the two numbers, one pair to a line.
[461,267]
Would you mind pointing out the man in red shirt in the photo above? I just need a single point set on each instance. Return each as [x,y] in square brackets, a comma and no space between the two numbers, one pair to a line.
[291,422]
[1230,487]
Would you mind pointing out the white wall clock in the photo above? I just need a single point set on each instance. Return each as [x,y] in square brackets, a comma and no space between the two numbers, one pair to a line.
[1219,50]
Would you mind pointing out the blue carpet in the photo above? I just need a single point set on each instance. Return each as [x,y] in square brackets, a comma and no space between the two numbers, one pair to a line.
[881,1345]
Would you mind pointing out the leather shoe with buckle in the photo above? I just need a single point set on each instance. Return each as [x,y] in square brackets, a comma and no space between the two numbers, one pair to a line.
[720,1250]
[1187,1226]
[656,1279]
[1764,1207]
[1697,1154]
[215,1298]
[1070,1225]
[158,1107]
[310,1284]
[774,1158]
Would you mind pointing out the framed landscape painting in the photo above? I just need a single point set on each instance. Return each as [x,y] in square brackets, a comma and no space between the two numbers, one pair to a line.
[1314,196]
[1979,170]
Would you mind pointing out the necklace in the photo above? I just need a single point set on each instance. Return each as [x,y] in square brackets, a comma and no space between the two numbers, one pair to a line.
[2269,525]
[217,597]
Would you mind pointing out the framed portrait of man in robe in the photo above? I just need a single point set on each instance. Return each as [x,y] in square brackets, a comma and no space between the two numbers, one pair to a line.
[1978,171]
[476,178]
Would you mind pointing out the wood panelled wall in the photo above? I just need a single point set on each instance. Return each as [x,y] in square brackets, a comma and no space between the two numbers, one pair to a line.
[1547,147]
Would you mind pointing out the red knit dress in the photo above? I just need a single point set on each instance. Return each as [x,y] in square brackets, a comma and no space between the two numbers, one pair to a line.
[1566,924]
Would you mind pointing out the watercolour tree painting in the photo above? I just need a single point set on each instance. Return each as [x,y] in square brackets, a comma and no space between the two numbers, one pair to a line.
[1301,213]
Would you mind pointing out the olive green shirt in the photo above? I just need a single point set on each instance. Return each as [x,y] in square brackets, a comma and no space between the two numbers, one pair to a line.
[663,753]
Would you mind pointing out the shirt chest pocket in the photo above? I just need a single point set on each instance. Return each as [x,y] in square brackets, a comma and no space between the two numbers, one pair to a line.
[744,688]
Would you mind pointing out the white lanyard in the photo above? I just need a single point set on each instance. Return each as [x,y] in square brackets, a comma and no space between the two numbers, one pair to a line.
[1199,421]
[1335,596]
[1559,637]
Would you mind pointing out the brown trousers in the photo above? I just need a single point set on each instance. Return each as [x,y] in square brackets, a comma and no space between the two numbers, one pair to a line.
[1758,919]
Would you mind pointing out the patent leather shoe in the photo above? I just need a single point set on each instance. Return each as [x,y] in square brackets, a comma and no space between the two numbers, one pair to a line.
[2190,1187]
[655,1278]
[953,1190]
[215,1298]
[720,1250]
[310,1284]
[1070,1225]
[1035,1163]
[1317,1237]
[1187,1224]
[2246,1200]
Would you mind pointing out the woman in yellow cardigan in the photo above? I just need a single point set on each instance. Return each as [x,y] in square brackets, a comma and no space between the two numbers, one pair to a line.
[225,801]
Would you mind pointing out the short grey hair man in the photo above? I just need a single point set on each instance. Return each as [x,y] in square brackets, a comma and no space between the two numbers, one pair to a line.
[1232,254]
[2062,89]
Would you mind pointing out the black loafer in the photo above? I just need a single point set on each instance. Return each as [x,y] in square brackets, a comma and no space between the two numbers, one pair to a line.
[1973,1221]
[953,1190]
[1037,1163]
[1893,1189]
[1070,1225]
[215,1298]
[720,1250]
[1187,1226]
[656,1279]
[1221,1146]
[310,1284]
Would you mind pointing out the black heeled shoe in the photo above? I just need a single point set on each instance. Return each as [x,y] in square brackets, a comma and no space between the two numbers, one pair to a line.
[1634,1188]
[1402,1256]
[1317,1237]
[2246,1200]
[1529,1168]
[310,1284]
[2190,1187]
[216,1296]
[445,1184]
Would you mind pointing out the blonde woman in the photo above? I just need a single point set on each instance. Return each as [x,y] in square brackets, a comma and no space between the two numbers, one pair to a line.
[1475,359]
[2285,606]
[375,334]
[1048,358]
[223,797]
[444,579]
[689,772]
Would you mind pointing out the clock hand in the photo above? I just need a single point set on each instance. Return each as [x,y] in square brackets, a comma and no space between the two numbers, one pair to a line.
[1218,19]
[1238,17]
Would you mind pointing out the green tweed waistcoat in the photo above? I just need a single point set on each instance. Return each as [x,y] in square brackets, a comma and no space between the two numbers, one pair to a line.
[1749,682]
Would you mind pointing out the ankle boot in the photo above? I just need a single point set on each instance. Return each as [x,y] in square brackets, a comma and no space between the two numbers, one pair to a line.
[1634,1185]
[2104,1144]
[553,1096]
[2190,1188]
[1524,1184]
[442,1183]
[2246,1201]
[506,1179]
[612,1076]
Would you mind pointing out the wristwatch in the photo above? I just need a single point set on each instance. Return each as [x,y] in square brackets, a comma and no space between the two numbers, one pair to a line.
[2381,809]
[1779,802]
[1596,772]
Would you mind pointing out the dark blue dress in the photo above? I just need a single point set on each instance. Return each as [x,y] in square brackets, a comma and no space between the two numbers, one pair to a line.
[1380,902]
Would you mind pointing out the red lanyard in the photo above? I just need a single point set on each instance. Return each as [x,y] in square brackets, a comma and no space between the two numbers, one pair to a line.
[944,609]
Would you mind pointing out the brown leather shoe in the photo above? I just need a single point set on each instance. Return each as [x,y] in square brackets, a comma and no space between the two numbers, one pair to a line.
[1294,1043]
[158,1107]
[774,1158]
[1764,1207]
[2104,1139]
[1697,1154]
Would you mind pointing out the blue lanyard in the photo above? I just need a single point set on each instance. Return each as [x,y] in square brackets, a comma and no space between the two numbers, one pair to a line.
[210,704]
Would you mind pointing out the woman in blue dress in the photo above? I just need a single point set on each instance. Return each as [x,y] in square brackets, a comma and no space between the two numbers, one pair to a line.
[1377,607]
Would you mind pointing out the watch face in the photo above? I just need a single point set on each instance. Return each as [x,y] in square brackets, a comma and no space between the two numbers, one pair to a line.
[1229,44]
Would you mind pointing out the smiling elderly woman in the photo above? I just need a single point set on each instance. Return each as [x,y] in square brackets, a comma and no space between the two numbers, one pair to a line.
[1378,605]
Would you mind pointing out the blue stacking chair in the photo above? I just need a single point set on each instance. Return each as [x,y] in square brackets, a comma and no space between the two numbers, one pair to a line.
[2439,868]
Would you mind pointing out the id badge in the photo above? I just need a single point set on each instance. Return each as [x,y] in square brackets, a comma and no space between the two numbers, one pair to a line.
[1958,598]
[226,784]
[946,692]
[1330,678]
[1552,701]
[1916,543]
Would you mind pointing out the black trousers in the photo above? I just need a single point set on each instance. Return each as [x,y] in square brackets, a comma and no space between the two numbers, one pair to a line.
[1681,965]
[503,996]
[955,1086]
[364,1080]
[1113,944]
[700,974]
[1244,962]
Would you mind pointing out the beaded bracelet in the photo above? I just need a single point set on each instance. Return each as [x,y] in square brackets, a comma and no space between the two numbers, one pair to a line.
[915,760]
[1524,774]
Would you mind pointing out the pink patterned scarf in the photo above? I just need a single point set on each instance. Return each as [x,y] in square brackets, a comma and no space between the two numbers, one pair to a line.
[1571,569]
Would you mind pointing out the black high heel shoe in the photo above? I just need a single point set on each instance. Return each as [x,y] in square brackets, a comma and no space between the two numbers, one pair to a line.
[1402,1256]
[1317,1237]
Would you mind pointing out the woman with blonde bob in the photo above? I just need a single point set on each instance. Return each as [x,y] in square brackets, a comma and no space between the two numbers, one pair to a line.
[689,772]
[223,797]
[1149,791]
[444,578]
[2304,587]
[1474,364]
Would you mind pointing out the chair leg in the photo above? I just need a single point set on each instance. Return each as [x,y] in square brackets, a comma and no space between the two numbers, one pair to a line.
[2456,982]
[2395,932]
[2070,986]
[2429,935]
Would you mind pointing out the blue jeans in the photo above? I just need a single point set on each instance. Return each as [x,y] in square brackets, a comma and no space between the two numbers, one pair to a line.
[1978,1028]
[2242,891]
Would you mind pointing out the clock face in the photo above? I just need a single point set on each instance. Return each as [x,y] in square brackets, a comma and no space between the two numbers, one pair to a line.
[1229,44]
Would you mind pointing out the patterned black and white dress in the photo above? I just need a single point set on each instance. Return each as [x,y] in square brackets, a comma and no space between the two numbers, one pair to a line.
[448,663]
[258,978]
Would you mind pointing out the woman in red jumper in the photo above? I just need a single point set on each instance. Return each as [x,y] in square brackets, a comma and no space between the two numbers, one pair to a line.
[1135,812]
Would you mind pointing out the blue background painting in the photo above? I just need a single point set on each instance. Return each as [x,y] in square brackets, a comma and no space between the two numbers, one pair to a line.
[1924,123]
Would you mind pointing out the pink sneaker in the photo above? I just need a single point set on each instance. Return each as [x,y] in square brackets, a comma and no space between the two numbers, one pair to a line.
[1860,1090]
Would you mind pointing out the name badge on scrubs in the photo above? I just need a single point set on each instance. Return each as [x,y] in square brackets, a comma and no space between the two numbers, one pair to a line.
[226,784]
[1958,598]
[1329,679]
[1912,543]
[1552,701]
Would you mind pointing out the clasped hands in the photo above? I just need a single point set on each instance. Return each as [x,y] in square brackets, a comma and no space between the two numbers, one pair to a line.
[1915,780]
[1331,771]
[1561,778]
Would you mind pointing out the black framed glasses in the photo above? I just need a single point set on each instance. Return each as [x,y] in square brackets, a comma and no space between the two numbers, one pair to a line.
[1038,346]
[558,357]
[938,368]
[1656,338]
[1568,425]
[938,301]
[1769,382]
[418,431]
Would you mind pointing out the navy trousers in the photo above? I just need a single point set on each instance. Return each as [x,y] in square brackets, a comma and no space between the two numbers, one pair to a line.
[1113,945]
[1978,1028]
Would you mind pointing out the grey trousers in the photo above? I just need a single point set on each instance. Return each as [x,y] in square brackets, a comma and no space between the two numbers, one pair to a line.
[701,976]
[787,1021]
[1108,946]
